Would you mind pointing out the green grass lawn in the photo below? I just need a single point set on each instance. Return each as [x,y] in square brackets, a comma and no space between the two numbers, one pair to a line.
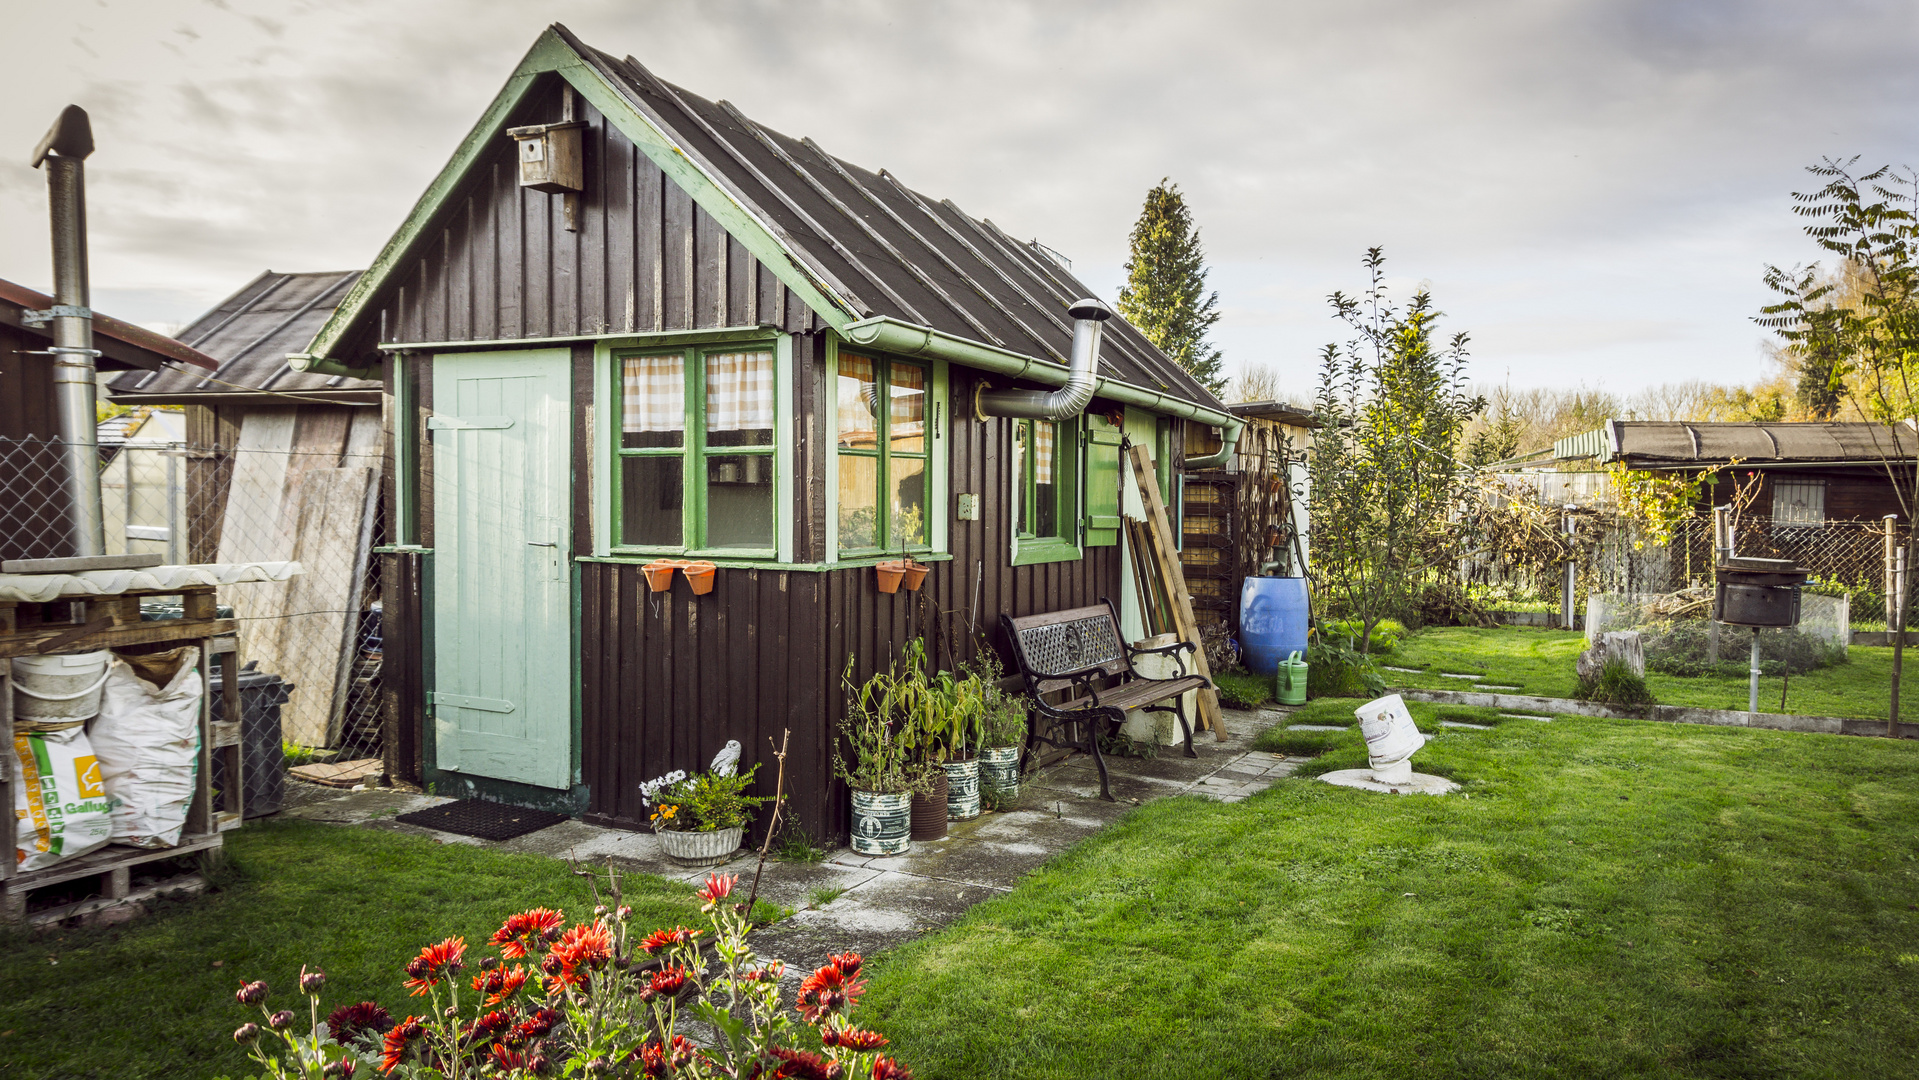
[154,997]
[1615,898]
[1540,662]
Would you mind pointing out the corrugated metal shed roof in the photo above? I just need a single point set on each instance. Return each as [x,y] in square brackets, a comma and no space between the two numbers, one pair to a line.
[121,344]
[250,334]
[1655,443]
[894,251]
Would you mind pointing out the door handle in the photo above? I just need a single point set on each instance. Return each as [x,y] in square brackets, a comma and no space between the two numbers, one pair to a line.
[541,543]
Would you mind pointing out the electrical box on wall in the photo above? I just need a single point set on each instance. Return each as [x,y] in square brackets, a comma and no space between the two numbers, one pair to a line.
[968,507]
[550,156]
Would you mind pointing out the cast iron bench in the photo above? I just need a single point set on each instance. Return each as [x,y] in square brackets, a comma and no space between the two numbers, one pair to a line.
[1080,652]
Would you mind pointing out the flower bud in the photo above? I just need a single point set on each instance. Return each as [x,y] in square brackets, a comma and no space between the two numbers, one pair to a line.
[599,911]
[488,963]
[311,981]
[279,1021]
[624,913]
[553,933]
[246,1033]
[251,993]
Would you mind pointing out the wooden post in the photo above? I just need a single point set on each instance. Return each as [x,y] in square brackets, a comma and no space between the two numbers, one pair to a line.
[1165,556]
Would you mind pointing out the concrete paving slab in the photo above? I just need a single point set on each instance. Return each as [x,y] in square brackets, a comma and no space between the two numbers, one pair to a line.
[1496,686]
[1417,784]
[1464,724]
[1451,675]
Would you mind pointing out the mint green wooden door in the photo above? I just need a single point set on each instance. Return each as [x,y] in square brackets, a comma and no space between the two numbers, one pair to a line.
[502,648]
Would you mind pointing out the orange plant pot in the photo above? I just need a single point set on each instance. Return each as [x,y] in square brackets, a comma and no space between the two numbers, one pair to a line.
[915,575]
[890,574]
[700,576]
[659,575]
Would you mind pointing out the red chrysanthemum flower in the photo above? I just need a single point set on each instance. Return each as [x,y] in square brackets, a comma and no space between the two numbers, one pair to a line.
[349,1022]
[586,945]
[804,1065]
[538,1025]
[508,1061]
[851,1038]
[666,982]
[888,1069]
[490,1025]
[436,962]
[656,1059]
[666,939]
[847,962]
[827,991]
[396,1042]
[523,933]
[500,984]
[718,887]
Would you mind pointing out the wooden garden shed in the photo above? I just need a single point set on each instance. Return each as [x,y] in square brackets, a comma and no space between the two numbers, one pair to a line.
[626,322]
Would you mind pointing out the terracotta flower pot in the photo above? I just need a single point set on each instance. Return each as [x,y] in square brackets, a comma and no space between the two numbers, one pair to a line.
[659,575]
[913,574]
[929,811]
[890,574]
[700,576]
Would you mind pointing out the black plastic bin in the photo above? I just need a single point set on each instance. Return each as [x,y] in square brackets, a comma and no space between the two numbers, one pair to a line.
[261,696]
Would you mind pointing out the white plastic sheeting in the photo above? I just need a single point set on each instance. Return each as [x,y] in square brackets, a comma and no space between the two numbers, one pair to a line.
[42,588]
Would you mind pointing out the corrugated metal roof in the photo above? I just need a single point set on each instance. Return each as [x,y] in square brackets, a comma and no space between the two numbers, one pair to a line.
[1652,443]
[120,343]
[891,250]
[250,334]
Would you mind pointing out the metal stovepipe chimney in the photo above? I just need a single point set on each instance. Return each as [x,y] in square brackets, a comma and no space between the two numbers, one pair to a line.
[64,152]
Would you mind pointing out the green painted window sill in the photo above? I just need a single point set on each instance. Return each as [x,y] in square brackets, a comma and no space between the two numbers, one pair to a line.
[1028,552]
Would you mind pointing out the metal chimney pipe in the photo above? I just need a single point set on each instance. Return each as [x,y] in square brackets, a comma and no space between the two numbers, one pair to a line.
[1081,374]
[64,152]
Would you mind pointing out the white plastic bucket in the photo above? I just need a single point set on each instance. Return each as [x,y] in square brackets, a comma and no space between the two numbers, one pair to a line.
[58,689]
[1391,737]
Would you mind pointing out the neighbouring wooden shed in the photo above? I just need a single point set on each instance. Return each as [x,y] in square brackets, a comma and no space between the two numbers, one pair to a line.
[1248,516]
[626,322]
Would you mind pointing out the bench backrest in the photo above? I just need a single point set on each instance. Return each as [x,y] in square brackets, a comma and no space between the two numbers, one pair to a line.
[1050,647]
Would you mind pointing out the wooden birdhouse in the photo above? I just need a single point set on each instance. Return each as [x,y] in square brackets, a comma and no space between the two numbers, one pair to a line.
[550,158]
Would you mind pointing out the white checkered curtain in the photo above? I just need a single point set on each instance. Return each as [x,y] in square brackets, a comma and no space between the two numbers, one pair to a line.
[739,391]
[1043,437]
[653,394]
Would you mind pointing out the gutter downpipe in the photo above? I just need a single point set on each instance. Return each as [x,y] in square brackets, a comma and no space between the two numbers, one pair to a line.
[320,365]
[64,152]
[907,339]
[1069,400]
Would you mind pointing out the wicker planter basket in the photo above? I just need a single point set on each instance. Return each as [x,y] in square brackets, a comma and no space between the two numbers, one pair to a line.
[701,848]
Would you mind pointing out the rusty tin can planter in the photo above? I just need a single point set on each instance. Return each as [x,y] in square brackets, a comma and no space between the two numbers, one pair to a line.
[700,576]
[912,574]
[999,771]
[659,575]
[880,823]
[890,574]
[962,789]
[929,811]
[701,848]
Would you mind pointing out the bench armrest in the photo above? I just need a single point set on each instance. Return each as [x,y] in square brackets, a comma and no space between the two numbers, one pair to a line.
[1175,648]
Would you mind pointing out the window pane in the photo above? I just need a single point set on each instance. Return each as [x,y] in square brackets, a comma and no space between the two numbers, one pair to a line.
[653,401]
[1022,433]
[650,500]
[1045,473]
[908,525]
[858,404]
[906,408]
[859,508]
[739,399]
[739,501]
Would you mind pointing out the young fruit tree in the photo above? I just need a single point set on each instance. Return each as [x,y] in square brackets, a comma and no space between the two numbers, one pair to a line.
[1864,336]
[1165,293]
[1385,466]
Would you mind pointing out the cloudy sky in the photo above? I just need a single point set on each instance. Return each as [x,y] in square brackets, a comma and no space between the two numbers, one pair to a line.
[1590,187]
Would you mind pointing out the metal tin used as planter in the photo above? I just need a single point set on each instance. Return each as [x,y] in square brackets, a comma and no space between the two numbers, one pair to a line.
[929,811]
[880,823]
[702,848]
[962,789]
[999,771]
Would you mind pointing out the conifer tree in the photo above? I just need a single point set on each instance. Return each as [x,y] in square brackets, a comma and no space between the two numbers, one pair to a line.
[1165,292]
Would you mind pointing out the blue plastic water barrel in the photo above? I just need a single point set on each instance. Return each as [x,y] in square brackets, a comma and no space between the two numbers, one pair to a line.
[1272,621]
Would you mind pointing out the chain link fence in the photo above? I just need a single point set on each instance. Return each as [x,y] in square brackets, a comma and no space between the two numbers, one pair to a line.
[318,634]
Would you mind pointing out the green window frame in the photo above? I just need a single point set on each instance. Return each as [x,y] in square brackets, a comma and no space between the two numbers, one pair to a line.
[885,425]
[1046,488]
[697,462]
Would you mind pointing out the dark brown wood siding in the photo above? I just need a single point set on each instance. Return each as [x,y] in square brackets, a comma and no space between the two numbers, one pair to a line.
[34,523]
[500,263]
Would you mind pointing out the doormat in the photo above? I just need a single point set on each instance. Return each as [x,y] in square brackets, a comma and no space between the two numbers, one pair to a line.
[486,820]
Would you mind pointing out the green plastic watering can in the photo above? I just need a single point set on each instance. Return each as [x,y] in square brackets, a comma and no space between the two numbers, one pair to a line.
[1289,681]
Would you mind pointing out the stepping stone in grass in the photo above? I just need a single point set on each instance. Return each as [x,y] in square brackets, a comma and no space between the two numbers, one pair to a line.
[1495,686]
[1404,670]
[1450,675]
[1314,727]
[1526,716]
[1464,724]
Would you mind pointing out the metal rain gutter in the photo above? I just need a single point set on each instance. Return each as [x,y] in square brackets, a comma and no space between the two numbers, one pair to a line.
[907,339]
[320,365]
[64,152]
[1071,399]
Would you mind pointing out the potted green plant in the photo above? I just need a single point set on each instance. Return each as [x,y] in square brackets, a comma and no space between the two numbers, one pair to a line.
[1002,733]
[700,819]
[959,701]
[879,765]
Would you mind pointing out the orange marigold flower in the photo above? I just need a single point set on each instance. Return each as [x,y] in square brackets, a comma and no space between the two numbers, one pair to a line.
[718,887]
[659,940]
[436,962]
[526,929]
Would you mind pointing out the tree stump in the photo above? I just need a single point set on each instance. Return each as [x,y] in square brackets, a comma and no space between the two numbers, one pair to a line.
[1622,645]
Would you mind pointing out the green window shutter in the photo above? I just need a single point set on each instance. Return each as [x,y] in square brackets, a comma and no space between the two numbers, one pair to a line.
[1102,482]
